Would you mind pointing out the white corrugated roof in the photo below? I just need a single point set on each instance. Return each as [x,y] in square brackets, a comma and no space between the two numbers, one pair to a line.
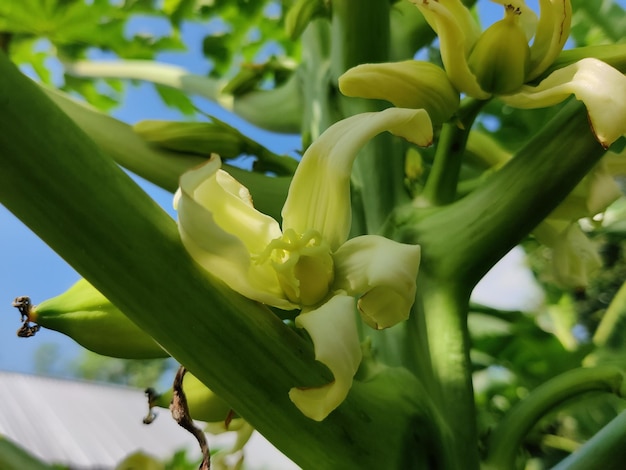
[94,426]
[84,424]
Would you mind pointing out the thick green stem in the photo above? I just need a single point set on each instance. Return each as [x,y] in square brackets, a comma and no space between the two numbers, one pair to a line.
[90,212]
[360,34]
[465,239]
[319,109]
[507,437]
[445,312]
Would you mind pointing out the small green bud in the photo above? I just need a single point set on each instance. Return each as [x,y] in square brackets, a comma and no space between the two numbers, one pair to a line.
[87,316]
[501,56]
[202,138]
[204,404]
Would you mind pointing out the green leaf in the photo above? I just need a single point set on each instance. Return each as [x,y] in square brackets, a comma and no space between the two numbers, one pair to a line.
[178,10]
[13,457]
[598,22]
[176,99]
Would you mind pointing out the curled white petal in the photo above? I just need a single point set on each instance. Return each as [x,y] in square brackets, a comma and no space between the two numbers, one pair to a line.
[319,195]
[457,33]
[598,85]
[382,273]
[407,84]
[552,33]
[332,327]
[223,232]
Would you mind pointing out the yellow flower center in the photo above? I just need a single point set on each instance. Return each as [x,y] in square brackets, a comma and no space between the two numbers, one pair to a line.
[303,264]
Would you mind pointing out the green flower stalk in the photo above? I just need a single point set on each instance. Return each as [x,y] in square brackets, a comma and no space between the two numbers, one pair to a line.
[309,264]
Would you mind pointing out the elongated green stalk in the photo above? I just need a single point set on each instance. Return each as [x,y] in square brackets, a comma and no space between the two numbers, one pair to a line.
[445,313]
[605,450]
[610,329]
[277,110]
[89,211]
[157,165]
[441,186]
[507,437]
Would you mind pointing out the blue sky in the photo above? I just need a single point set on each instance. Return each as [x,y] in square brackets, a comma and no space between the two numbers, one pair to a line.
[29,267]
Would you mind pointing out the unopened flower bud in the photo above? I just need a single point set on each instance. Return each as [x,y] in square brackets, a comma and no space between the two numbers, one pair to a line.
[500,57]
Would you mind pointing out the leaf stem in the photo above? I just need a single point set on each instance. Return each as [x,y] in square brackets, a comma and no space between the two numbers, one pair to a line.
[441,186]
[508,435]
[604,450]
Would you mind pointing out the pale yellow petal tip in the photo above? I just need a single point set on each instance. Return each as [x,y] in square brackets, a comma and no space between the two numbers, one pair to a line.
[599,86]
[318,403]
[332,328]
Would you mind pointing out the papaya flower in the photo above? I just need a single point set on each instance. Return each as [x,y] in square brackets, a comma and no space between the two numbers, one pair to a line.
[500,61]
[309,263]
[573,256]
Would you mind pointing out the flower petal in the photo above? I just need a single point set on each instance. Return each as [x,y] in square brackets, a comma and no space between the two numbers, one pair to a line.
[319,195]
[593,195]
[407,84]
[222,232]
[574,257]
[332,327]
[552,33]
[601,87]
[383,273]
[460,13]
[458,33]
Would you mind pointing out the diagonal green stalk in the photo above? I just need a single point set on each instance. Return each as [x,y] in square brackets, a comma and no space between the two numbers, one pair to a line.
[441,186]
[56,180]
[507,437]
[159,166]
[465,239]
[284,101]
[604,450]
